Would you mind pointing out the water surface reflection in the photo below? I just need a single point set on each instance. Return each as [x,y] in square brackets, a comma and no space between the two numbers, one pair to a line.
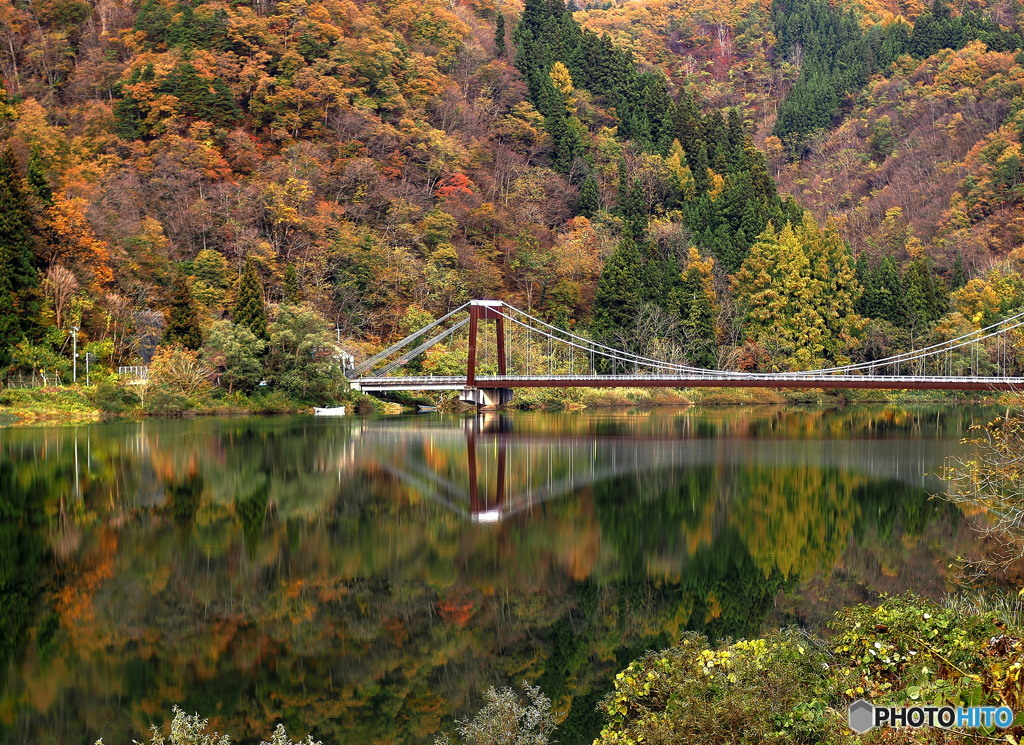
[366,579]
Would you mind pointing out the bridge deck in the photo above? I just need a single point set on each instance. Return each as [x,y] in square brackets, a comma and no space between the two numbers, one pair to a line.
[782,380]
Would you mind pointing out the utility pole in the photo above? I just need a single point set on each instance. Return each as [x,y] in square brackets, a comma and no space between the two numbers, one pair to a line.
[74,354]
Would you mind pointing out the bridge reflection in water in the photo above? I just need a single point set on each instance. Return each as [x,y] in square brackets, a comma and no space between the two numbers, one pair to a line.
[509,473]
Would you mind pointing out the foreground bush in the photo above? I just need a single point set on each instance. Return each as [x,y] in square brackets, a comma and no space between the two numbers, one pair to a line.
[191,729]
[793,688]
[910,650]
[505,720]
[764,690]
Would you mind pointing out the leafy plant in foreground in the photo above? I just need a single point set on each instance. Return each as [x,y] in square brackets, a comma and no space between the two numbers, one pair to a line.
[191,729]
[506,720]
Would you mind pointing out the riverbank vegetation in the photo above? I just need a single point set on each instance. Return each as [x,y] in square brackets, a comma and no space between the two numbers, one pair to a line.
[794,687]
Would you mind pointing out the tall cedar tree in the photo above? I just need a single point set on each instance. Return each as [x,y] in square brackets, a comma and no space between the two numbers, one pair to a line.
[36,177]
[868,301]
[926,296]
[183,321]
[292,285]
[18,272]
[958,275]
[891,301]
[697,309]
[499,34]
[249,308]
[619,290]
[589,200]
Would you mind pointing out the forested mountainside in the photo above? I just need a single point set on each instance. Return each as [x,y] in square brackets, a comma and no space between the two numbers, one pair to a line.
[763,185]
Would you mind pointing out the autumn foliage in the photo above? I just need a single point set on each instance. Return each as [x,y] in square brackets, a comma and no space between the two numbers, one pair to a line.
[369,157]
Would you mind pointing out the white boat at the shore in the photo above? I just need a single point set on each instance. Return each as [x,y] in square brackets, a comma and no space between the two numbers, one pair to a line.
[334,411]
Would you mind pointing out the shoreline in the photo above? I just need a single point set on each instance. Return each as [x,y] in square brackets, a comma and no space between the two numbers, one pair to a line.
[79,405]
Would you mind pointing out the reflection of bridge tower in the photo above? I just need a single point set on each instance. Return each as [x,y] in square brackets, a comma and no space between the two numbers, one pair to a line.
[486,508]
[486,398]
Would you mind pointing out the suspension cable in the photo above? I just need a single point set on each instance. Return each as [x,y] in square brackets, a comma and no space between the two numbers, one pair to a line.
[929,351]
[405,359]
[621,355]
[367,364]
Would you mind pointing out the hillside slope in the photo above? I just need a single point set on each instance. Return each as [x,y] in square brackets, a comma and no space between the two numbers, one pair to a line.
[384,161]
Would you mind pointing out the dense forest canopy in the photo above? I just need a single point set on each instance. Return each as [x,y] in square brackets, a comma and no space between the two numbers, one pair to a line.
[222,176]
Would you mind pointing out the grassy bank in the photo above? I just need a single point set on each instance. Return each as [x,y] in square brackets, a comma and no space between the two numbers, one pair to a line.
[586,398]
[79,404]
[69,405]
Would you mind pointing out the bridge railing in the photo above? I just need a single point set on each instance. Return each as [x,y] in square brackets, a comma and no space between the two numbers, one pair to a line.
[133,371]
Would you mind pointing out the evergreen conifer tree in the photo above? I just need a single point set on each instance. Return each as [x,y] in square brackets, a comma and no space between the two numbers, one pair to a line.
[499,34]
[249,310]
[890,302]
[701,179]
[589,200]
[18,272]
[797,291]
[697,308]
[183,320]
[619,291]
[958,276]
[686,120]
[735,139]
[634,212]
[925,294]
[867,303]
[36,177]
[292,285]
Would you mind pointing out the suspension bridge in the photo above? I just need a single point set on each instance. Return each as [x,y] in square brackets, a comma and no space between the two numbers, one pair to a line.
[508,348]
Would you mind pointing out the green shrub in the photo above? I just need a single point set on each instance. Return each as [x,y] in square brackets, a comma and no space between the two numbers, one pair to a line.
[112,398]
[272,402]
[165,401]
[911,649]
[764,690]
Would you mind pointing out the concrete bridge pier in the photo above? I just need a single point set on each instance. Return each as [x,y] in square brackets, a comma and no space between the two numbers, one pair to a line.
[486,398]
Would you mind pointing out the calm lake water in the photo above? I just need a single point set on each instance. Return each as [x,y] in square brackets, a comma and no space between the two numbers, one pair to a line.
[366,580]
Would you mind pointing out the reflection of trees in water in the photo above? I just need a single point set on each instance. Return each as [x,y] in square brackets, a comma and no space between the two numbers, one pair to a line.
[23,563]
[306,582]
